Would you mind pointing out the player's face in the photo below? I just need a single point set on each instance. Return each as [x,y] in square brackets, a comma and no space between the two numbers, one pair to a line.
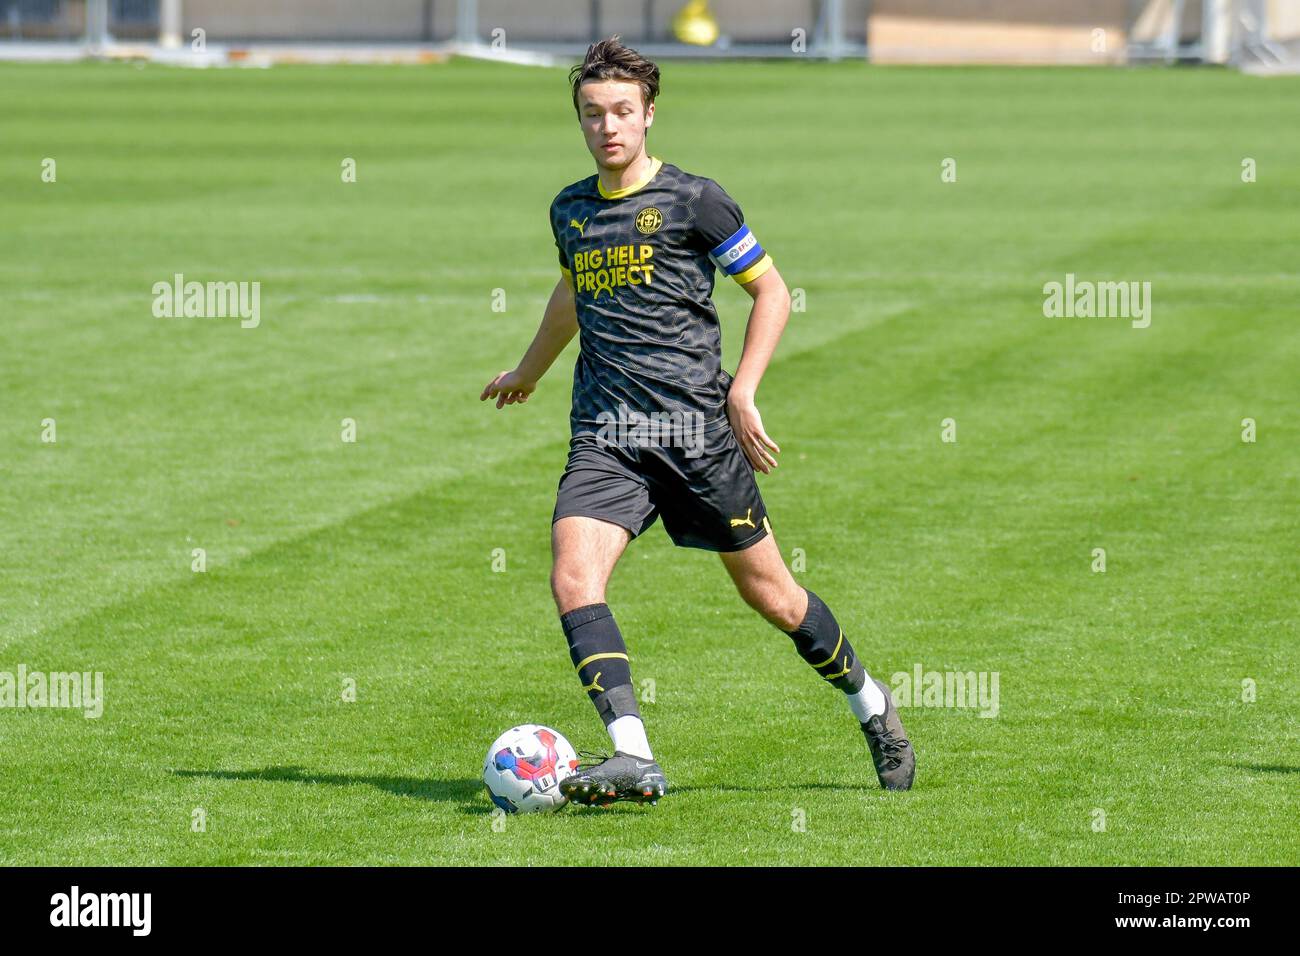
[614,120]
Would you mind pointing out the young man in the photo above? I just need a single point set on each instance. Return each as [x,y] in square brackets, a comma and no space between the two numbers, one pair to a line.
[638,245]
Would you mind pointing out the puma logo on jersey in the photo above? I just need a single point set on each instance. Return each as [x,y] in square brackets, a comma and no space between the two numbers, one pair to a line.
[579,225]
[747,520]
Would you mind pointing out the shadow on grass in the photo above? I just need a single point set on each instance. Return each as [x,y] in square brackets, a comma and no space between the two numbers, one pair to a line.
[1267,767]
[790,788]
[471,794]
[453,791]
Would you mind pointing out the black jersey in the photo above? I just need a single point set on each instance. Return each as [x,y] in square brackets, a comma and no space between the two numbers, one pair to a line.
[641,264]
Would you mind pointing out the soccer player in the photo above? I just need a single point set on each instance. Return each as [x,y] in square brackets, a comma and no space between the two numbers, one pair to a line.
[659,428]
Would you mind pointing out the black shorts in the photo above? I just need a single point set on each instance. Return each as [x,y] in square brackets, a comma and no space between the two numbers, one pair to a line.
[707,499]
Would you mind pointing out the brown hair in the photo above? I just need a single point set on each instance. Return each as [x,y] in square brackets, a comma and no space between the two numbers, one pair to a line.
[609,59]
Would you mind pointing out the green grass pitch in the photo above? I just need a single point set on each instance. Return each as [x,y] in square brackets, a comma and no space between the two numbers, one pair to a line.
[1121,693]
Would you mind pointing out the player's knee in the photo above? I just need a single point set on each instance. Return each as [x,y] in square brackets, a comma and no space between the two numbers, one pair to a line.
[573,587]
[788,613]
[780,607]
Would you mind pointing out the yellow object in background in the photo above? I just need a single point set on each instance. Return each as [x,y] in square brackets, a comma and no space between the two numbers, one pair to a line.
[695,24]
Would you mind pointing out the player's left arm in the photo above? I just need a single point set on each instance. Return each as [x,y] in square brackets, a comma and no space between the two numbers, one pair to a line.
[767,318]
[720,230]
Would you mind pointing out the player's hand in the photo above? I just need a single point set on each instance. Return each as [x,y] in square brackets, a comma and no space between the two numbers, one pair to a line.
[508,388]
[748,427]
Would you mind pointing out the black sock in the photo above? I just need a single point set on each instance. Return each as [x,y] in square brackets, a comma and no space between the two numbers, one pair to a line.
[823,645]
[597,650]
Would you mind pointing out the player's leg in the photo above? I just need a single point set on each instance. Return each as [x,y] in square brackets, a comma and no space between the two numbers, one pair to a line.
[766,584]
[585,551]
[709,499]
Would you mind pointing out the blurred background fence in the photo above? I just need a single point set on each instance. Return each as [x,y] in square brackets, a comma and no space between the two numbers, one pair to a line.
[1250,33]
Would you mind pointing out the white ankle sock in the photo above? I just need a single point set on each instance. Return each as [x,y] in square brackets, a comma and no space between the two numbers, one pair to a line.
[628,734]
[868,702]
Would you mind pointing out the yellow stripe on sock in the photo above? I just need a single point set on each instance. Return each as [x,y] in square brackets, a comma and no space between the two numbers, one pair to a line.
[834,653]
[598,657]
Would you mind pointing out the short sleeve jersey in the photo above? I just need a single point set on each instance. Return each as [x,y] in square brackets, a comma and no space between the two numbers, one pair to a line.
[641,263]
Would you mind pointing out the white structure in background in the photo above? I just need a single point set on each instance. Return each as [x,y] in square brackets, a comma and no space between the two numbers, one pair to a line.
[1255,35]
[1261,26]
[1248,34]
[97,35]
[169,24]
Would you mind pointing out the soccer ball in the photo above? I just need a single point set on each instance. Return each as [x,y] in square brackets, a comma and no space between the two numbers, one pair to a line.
[524,767]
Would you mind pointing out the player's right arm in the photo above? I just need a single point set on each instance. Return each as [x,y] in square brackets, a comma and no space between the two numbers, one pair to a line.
[559,325]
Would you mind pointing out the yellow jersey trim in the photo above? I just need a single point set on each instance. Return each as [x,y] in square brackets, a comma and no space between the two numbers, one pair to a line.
[640,184]
[754,271]
[568,277]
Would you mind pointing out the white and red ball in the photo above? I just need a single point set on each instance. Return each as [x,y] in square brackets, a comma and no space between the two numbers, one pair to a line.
[524,767]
